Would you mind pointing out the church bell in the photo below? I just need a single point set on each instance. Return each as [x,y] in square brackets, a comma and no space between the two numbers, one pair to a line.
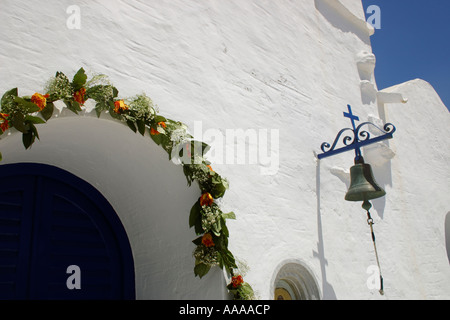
[363,186]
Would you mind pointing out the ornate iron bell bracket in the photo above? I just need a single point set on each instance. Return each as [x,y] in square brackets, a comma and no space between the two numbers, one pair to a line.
[357,139]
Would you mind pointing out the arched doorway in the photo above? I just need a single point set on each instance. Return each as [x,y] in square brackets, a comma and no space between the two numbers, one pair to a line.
[148,192]
[60,238]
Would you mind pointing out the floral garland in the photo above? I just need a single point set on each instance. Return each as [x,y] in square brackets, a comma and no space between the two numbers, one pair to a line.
[139,113]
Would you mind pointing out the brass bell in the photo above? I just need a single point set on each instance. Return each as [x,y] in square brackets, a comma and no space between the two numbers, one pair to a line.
[363,186]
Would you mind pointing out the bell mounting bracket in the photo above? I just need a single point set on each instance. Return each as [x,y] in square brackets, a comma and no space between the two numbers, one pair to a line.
[355,138]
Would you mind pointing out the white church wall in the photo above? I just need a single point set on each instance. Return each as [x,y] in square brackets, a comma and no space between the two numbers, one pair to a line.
[288,67]
[413,228]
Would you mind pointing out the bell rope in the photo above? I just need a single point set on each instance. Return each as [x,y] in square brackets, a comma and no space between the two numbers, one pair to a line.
[367,205]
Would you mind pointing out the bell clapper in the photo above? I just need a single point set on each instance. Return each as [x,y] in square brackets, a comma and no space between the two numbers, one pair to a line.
[366,205]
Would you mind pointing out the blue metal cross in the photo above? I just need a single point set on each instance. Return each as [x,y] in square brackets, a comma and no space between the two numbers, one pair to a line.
[351,116]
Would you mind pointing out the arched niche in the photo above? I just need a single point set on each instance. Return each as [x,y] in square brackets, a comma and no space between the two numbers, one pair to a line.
[148,192]
[293,280]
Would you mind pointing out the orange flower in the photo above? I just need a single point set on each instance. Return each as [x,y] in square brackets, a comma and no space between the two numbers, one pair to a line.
[210,168]
[4,125]
[207,240]
[39,100]
[120,107]
[206,199]
[237,281]
[155,132]
[78,96]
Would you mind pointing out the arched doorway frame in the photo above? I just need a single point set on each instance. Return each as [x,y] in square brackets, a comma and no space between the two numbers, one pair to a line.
[135,175]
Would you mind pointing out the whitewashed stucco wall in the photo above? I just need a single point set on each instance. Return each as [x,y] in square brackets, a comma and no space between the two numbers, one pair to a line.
[416,209]
[291,66]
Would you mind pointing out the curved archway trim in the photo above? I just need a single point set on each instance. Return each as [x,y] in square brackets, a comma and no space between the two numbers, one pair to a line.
[295,275]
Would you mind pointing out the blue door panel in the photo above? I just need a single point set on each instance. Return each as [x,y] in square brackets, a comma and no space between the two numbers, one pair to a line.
[55,220]
[15,236]
[75,233]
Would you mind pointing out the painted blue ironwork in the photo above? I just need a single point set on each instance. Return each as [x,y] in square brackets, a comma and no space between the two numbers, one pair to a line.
[356,138]
[351,116]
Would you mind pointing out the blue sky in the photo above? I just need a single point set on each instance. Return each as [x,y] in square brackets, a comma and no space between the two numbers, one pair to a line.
[413,42]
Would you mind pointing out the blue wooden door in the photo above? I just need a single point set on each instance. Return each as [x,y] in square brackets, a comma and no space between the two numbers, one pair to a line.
[60,238]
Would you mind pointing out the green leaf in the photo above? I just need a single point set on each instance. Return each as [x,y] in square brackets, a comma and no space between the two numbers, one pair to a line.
[141,126]
[47,112]
[71,105]
[195,214]
[219,188]
[112,113]
[195,218]
[115,92]
[166,143]
[160,119]
[79,80]
[220,259]
[201,269]
[131,125]
[94,92]
[216,227]
[188,173]
[33,119]
[246,291]
[34,130]
[222,243]
[225,231]
[197,241]
[7,95]
[18,123]
[228,259]
[76,105]
[157,138]
[100,107]
[11,92]
[243,292]
[29,136]
[229,215]
[27,106]
[222,246]
[27,139]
